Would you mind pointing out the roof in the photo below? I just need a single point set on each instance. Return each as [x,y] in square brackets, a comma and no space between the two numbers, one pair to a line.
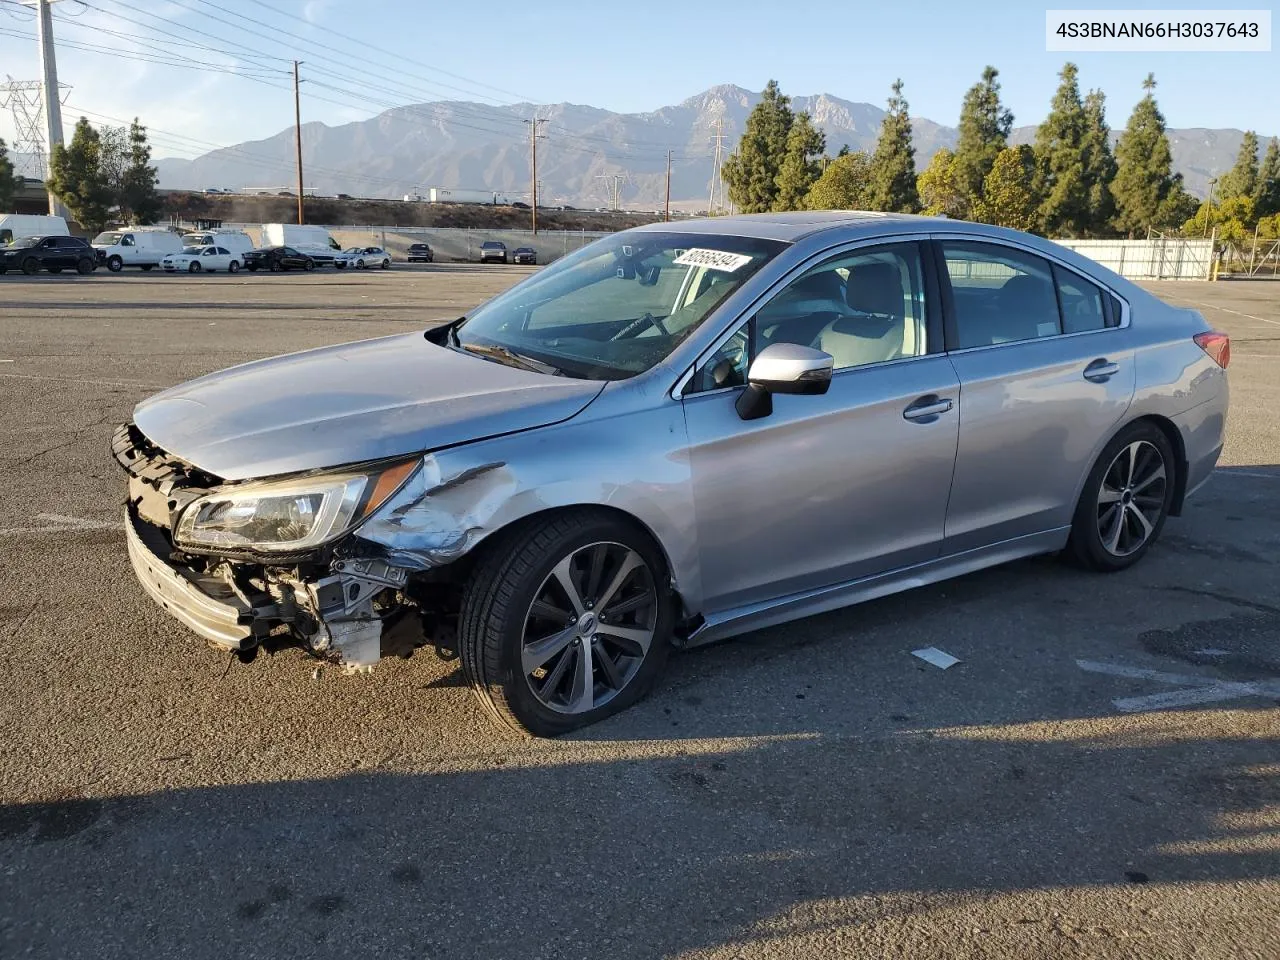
[795,225]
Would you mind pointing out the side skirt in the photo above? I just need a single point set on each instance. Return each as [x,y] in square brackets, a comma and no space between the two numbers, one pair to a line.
[770,613]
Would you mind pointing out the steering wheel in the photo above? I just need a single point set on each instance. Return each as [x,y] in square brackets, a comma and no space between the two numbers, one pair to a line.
[639,326]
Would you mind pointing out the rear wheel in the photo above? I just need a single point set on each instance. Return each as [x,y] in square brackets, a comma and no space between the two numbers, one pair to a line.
[115,263]
[566,622]
[84,265]
[233,266]
[1125,500]
[386,264]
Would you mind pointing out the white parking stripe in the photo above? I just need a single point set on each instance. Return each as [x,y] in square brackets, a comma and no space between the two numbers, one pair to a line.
[1214,306]
[98,383]
[57,523]
[1200,689]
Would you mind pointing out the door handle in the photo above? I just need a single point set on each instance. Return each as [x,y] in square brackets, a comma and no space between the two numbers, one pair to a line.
[926,408]
[1101,370]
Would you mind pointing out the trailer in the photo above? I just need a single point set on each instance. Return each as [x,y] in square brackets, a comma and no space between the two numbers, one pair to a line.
[451,195]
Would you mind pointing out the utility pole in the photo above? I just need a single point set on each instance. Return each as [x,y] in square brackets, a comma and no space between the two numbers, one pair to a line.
[297,136]
[49,82]
[667,209]
[1208,217]
[533,172]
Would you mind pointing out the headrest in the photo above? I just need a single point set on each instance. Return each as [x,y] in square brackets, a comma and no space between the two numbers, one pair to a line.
[875,288]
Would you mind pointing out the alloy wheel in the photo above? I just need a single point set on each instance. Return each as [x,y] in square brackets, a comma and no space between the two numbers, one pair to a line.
[589,628]
[1131,498]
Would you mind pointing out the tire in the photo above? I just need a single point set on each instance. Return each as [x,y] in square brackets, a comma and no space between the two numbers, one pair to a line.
[85,265]
[252,267]
[1138,486]
[55,269]
[115,263]
[194,267]
[359,264]
[386,264]
[276,266]
[233,267]
[309,265]
[498,604]
[146,268]
[31,266]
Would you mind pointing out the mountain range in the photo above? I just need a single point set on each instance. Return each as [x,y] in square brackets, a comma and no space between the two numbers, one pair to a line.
[581,150]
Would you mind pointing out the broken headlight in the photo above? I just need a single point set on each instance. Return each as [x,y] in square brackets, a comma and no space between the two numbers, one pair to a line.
[287,516]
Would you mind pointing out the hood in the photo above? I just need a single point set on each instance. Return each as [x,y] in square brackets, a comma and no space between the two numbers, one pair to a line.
[349,403]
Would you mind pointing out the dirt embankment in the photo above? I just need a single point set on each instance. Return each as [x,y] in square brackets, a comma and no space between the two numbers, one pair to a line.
[239,209]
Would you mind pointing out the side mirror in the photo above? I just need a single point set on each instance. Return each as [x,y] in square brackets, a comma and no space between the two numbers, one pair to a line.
[783,368]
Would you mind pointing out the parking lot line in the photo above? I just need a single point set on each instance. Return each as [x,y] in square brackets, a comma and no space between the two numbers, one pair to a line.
[100,383]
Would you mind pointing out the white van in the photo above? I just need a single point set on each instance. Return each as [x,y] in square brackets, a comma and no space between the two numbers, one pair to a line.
[15,225]
[236,241]
[135,247]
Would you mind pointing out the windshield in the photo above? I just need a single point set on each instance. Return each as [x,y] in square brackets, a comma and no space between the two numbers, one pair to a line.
[618,306]
[26,241]
[107,239]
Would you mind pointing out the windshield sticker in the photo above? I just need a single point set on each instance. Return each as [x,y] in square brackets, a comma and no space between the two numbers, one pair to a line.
[713,259]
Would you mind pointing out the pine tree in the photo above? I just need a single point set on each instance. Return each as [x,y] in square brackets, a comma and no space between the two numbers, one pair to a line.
[984,132]
[1061,177]
[800,168]
[1242,179]
[751,171]
[1266,195]
[942,193]
[8,181]
[893,166]
[1147,192]
[1009,197]
[138,194]
[76,178]
[1099,165]
[844,185]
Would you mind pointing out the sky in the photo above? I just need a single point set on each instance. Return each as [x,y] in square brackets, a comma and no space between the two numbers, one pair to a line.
[622,57]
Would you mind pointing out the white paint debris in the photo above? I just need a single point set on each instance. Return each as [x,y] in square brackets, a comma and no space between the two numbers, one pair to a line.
[939,658]
[1200,689]
[1213,652]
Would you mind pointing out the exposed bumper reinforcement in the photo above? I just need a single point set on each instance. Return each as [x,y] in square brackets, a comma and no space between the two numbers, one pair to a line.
[217,620]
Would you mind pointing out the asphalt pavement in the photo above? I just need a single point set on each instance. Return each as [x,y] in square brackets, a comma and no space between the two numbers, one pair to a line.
[810,790]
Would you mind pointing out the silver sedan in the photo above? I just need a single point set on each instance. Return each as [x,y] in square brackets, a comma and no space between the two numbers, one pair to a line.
[677,434]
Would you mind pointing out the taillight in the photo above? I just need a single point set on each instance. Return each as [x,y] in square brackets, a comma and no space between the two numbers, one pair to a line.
[1216,345]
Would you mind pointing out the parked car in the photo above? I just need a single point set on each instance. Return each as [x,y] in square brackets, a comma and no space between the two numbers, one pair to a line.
[277,259]
[420,252]
[524,255]
[236,241]
[136,247]
[493,251]
[520,205]
[362,257]
[55,254]
[677,434]
[199,259]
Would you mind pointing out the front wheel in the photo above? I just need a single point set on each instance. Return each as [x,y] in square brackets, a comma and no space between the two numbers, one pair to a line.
[55,269]
[567,621]
[276,266]
[115,263]
[84,265]
[253,268]
[1125,501]
[31,266]
[309,265]
[194,267]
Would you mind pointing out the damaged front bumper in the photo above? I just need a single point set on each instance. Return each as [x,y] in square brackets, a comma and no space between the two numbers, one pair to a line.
[349,610]
[205,605]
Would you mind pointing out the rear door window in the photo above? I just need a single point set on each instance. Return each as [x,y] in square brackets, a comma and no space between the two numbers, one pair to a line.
[1082,303]
[1001,295]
